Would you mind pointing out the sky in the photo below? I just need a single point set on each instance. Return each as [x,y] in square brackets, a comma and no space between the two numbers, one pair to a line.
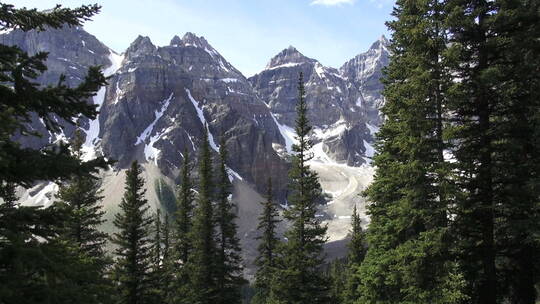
[246,32]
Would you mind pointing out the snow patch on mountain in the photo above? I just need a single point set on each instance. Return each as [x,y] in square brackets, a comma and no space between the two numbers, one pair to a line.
[370,151]
[336,129]
[44,196]
[288,134]
[200,113]
[285,65]
[372,129]
[233,174]
[92,133]
[142,138]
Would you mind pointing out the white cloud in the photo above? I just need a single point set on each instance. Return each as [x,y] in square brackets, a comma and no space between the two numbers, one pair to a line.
[331,2]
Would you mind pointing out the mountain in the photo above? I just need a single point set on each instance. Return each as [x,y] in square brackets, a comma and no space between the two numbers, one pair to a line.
[160,99]
[343,104]
[365,72]
[71,52]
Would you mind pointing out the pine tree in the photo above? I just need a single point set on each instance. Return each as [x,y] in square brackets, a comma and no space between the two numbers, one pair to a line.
[21,97]
[182,246]
[30,250]
[133,241]
[496,116]
[300,277]
[201,287]
[167,278]
[228,268]
[337,275]
[409,258]
[157,272]
[355,257]
[267,248]
[184,212]
[80,197]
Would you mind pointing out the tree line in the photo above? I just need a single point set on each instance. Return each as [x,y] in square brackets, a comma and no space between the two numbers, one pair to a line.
[58,254]
[454,206]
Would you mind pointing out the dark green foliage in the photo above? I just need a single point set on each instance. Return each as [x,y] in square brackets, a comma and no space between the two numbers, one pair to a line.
[462,81]
[20,96]
[200,266]
[166,283]
[267,248]
[182,234]
[80,198]
[133,241]
[228,269]
[357,252]
[36,264]
[29,19]
[357,245]
[161,274]
[337,273]
[496,103]
[408,260]
[184,212]
[299,278]
[165,195]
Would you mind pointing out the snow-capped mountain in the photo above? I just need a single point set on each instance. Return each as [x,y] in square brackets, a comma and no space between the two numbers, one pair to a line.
[364,72]
[160,98]
[343,104]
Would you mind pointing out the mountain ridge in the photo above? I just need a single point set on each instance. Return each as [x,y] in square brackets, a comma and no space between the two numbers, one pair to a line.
[160,99]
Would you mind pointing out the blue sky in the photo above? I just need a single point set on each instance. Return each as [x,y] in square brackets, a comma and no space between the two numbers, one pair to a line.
[246,32]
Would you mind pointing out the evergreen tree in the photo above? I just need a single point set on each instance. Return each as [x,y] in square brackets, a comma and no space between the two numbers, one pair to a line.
[300,276]
[337,274]
[228,269]
[357,245]
[80,197]
[409,258]
[167,279]
[157,272]
[184,212]
[496,102]
[133,241]
[21,97]
[267,248]
[182,246]
[355,257]
[201,287]
[35,265]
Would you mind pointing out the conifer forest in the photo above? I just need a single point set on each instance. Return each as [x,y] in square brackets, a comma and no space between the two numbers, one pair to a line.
[162,175]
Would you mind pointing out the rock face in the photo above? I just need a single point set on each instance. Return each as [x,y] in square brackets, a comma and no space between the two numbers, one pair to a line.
[160,99]
[71,52]
[343,104]
[365,72]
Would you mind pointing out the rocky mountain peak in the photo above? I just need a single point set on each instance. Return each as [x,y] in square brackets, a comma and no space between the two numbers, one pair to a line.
[140,46]
[381,43]
[190,39]
[290,56]
[175,41]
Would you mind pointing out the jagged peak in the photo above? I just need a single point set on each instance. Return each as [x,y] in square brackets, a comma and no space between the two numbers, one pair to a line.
[176,41]
[190,39]
[141,42]
[141,45]
[382,42]
[288,56]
